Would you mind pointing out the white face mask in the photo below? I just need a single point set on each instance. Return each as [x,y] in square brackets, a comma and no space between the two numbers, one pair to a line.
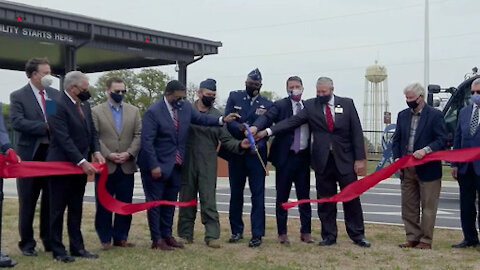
[297,92]
[46,81]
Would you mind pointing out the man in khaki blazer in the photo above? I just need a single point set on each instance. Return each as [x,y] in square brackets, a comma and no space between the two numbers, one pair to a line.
[119,127]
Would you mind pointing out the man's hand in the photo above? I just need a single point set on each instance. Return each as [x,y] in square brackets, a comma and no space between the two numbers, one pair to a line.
[156,173]
[253,130]
[230,117]
[360,167]
[123,157]
[97,157]
[454,172]
[88,168]
[113,157]
[260,135]
[419,154]
[245,144]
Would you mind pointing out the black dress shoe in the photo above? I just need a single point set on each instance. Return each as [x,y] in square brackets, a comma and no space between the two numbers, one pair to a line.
[84,254]
[29,252]
[327,242]
[465,244]
[234,238]
[362,243]
[64,258]
[255,242]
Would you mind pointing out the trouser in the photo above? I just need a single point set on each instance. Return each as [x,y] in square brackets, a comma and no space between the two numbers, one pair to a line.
[469,190]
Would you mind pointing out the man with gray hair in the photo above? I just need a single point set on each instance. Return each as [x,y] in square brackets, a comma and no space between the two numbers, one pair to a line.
[337,156]
[468,174]
[74,139]
[420,130]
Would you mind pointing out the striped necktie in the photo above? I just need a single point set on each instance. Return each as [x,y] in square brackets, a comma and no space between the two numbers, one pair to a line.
[178,157]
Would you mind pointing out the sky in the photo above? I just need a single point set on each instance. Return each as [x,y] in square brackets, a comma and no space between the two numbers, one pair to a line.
[307,38]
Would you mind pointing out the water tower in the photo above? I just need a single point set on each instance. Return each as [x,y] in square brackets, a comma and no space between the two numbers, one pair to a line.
[375,107]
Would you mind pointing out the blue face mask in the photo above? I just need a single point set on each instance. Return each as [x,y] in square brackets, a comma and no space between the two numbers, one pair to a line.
[178,103]
[116,97]
[475,98]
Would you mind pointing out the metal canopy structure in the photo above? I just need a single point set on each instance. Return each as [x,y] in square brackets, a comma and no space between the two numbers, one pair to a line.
[76,42]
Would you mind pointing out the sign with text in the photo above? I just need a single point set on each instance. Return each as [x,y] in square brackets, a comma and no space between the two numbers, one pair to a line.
[35,33]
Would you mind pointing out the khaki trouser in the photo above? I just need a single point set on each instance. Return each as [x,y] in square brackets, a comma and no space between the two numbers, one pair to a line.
[419,195]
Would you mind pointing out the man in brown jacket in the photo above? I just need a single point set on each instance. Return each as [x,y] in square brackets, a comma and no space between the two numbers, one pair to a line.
[119,126]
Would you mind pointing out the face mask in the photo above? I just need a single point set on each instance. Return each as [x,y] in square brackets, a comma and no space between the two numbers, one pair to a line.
[178,103]
[208,101]
[116,97]
[84,96]
[295,94]
[252,91]
[475,98]
[412,104]
[46,81]
[324,99]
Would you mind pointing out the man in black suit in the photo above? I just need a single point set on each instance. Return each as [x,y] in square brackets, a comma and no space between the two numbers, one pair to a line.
[290,154]
[74,139]
[337,155]
[28,118]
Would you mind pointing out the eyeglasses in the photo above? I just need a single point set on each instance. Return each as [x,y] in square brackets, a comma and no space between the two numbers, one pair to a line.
[120,91]
[475,92]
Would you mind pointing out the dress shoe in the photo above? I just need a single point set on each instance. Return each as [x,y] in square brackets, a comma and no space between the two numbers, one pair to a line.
[161,245]
[422,245]
[307,238]
[283,239]
[123,243]
[214,243]
[47,247]
[106,246]
[255,242]
[408,244]
[171,241]
[84,254]
[362,243]
[64,258]
[465,244]
[327,242]
[29,252]
[234,238]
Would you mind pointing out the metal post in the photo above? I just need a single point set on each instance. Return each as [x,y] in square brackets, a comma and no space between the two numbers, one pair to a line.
[182,72]
[426,48]
[5,261]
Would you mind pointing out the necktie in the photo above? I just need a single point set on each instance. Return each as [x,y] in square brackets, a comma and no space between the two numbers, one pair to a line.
[42,96]
[80,112]
[328,115]
[474,122]
[178,157]
[296,138]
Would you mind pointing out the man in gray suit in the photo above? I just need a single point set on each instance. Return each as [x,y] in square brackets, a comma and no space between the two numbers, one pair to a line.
[28,113]
[119,126]
[337,155]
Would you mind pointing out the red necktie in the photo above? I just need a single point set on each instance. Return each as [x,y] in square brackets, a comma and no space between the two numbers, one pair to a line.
[42,95]
[328,115]
[178,157]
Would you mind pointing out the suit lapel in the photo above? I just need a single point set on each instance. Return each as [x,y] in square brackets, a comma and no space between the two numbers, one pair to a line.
[125,121]
[421,122]
[32,99]
[108,114]
[167,116]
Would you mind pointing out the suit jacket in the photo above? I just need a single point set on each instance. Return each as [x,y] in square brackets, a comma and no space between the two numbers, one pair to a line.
[239,102]
[160,142]
[281,144]
[463,139]
[4,140]
[430,132]
[72,137]
[128,140]
[346,139]
[27,118]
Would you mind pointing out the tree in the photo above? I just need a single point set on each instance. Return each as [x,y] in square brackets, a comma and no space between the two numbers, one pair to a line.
[191,92]
[270,95]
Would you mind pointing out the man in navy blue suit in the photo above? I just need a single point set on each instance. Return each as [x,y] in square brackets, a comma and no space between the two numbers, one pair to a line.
[290,154]
[420,130]
[249,104]
[468,174]
[165,128]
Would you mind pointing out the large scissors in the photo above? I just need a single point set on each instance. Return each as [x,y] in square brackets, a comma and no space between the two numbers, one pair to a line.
[253,146]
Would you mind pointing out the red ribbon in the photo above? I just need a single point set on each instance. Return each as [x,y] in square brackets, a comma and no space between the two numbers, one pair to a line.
[357,188]
[11,168]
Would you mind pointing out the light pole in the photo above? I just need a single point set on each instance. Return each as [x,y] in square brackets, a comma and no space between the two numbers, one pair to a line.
[426,60]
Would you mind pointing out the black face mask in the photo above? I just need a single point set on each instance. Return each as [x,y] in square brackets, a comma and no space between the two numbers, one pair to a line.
[413,104]
[116,97]
[208,101]
[84,96]
[252,91]
[324,99]
[178,103]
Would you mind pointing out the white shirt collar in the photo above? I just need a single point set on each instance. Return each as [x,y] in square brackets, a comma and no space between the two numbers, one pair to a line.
[331,102]
[169,106]
[70,97]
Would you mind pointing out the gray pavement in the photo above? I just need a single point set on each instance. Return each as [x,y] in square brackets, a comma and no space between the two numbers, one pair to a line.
[381,204]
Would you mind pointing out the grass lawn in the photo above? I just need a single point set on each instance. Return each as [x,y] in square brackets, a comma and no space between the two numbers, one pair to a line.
[383,255]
